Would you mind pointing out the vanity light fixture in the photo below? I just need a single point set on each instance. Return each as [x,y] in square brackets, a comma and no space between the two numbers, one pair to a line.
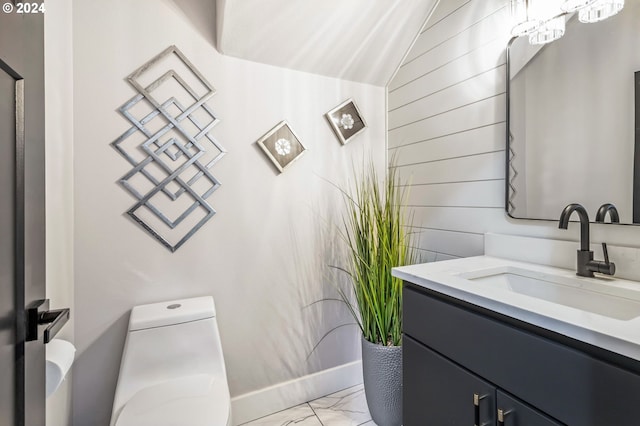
[600,10]
[523,21]
[574,5]
[549,31]
[544,20]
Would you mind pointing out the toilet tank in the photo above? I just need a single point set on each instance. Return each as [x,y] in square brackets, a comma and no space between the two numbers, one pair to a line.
[167,341]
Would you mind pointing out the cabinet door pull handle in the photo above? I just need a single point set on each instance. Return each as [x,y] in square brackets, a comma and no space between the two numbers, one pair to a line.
[501,415]
[476,408]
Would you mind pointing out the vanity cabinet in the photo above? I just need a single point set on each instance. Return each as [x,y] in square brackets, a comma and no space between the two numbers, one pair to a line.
[439,392]
[511,412]
[463,363]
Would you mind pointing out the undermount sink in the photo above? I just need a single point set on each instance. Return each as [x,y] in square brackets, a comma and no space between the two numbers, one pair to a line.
[585,295]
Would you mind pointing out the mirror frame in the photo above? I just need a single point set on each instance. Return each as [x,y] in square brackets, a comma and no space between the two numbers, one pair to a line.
[636,168]
[635,214]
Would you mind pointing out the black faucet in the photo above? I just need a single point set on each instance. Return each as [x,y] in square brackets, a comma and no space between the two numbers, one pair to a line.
[586,265]
[608,208]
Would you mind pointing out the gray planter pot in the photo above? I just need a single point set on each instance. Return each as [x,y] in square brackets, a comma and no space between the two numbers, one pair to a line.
[382,371]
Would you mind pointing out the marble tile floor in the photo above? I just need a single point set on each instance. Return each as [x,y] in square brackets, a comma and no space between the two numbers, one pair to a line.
[347,407]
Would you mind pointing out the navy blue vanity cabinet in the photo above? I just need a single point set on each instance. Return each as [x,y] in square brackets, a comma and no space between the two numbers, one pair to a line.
[511,412]
[439,392]
[449,394]
[456,353]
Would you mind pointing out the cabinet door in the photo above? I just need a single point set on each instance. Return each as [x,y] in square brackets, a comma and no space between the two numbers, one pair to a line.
[438,392]
[512,412]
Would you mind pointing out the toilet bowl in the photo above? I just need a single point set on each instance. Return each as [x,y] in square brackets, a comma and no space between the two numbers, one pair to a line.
[172,371]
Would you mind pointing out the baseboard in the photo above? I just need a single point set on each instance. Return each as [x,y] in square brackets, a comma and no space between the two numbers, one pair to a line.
[260,403]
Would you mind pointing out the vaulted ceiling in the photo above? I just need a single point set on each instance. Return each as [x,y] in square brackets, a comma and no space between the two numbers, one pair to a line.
[358,40]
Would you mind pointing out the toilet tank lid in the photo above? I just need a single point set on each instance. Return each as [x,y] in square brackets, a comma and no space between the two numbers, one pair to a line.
[171,313]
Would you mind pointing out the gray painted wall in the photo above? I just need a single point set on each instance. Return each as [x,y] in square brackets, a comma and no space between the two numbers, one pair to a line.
[447,128]
[263,256]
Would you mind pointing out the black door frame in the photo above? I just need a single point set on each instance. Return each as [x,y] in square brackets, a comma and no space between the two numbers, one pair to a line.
[22,61]
[19,244]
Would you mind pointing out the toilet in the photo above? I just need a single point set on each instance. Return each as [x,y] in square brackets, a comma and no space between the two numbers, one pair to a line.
[172,371]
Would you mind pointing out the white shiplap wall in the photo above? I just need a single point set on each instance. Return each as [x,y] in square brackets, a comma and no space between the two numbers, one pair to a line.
[447,112]
[447,125]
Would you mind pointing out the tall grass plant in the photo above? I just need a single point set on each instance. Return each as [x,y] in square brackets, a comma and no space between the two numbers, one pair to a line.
[377,230]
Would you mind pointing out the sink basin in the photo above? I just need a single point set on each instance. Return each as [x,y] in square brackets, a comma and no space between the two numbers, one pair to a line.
[585,295]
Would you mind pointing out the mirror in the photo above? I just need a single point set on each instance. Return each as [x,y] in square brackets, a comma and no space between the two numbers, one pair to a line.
[574,120]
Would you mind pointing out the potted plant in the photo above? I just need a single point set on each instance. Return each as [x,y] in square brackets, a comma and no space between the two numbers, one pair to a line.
[377,232]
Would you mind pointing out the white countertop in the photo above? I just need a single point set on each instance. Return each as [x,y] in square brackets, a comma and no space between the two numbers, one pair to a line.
[618,336]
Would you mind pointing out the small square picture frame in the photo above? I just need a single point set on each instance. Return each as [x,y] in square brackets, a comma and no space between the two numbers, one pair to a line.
[282,145]
[346,121]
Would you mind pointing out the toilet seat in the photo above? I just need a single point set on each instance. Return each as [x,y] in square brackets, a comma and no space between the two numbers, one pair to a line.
[198,400]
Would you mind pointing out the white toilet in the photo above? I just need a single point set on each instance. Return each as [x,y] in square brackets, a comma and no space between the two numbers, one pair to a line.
[172,371]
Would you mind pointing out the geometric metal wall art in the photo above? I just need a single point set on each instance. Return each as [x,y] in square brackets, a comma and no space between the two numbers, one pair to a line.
[170,148]
[281,145]
[346,121]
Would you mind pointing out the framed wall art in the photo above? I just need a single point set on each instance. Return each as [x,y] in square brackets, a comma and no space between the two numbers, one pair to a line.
[281,145]
[346,121]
